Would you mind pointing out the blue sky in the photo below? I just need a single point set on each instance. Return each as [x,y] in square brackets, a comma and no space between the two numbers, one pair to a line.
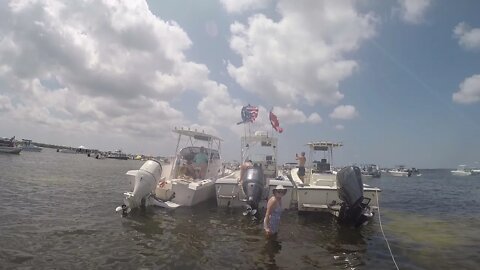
[379,76]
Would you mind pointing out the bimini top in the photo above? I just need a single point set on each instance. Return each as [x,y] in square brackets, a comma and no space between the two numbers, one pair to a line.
[323,146]
[202,136]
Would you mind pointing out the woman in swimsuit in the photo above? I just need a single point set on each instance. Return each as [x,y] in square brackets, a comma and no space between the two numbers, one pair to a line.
[274,210]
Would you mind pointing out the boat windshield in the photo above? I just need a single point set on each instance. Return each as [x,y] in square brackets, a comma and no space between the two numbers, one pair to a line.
[188,153]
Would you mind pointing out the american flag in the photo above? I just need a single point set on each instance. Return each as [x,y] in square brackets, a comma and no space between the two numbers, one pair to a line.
[249,114]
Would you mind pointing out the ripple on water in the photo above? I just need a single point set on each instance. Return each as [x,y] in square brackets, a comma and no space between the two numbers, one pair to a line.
[58,212]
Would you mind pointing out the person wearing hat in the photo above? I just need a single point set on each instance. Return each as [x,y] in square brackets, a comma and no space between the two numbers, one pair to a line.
[274,210]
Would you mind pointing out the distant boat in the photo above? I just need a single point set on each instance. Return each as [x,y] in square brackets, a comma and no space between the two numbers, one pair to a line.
[461,171]
[28,146]
[8,146]
[118,154]
[371,171]
[400,171]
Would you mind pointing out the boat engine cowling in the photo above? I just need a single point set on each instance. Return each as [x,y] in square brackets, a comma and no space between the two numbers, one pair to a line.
[146,180]
[253,185]
[354,209]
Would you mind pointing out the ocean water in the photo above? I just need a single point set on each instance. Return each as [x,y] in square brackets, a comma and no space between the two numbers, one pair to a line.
[57,212]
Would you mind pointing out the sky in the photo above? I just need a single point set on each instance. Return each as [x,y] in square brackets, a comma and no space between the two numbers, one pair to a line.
[397,82]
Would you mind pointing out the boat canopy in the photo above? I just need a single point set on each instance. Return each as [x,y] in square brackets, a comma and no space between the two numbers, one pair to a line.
[323,145]
[201,136]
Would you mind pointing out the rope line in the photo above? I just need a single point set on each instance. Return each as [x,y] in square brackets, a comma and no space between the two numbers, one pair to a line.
[383,233]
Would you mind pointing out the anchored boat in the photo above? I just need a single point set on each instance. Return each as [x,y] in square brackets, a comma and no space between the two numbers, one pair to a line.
[259,179]
[324,190]
[9,146]
[30,147]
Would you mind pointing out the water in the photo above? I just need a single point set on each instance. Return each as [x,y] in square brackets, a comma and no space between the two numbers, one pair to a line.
[57,211]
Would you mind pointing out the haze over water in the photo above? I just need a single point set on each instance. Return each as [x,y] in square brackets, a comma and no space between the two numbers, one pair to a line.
[58,212]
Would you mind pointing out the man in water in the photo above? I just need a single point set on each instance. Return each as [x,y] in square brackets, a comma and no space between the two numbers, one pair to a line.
[301,165]
[201,161]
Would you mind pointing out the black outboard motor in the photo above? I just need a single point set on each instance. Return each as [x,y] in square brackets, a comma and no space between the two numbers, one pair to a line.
[253,185]
[354,209]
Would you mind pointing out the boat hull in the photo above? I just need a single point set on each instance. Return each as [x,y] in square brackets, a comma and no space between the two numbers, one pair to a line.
[229,193]
[32,149]
[120,158]
[185,192]
[10,150]
[325,198]
[400,174]
[461,173]
[321,193]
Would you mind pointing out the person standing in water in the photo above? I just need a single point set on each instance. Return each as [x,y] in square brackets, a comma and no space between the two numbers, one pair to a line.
[301,165]
[271,222]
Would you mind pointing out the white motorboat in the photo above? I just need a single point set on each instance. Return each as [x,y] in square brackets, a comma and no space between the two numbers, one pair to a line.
[187,183]
[370,171]
[323,190]
[475,171]
[462,171]
[117,154]
[400,171]
[259,180]
[30,147]
[177,182]
[9,146]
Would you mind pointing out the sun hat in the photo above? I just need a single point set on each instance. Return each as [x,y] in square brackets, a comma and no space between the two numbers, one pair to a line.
[279,188]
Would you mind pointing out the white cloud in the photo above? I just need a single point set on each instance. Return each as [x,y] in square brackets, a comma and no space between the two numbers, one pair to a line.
[237,6]
[468,38]
[289,115]
[314,118]
[344,112]
[303,56]
[5,104]
[469,91]
[104,66]
[339,127]
[413,11]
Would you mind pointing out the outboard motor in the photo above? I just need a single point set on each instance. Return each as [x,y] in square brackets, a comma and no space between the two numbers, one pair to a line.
[143,182]
[354,209]
[253,185]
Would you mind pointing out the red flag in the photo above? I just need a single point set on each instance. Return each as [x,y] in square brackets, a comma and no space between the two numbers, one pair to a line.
[275,123]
